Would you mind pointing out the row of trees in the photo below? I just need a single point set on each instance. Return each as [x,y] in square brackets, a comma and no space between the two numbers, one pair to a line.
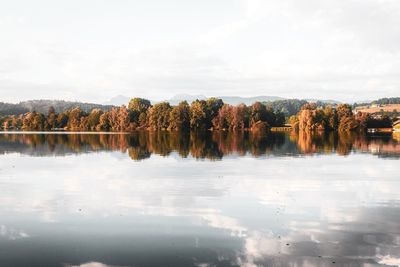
[341,118]
[140,114]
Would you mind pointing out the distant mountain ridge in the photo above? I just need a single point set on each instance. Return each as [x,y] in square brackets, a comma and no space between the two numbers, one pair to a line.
[118,100]
[232,100]
[42,106]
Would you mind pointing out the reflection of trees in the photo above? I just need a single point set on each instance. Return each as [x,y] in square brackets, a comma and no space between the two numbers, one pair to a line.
[325,143]
[211,145]
[344,142]
[203,146]
[138,149]
[309,142]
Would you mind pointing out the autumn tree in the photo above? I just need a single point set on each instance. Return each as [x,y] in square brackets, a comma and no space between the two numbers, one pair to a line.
[240,117]
[223,120]
[180,117]
[104,122]
[198,114]
[93,119]
[159,116]
[84,125]
[344,110]
[346,118]
[120,119]
[51,121]
[311,118]
[74,119]
[62,120]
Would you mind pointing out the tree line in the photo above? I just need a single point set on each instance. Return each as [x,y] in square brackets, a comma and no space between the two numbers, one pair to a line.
[340,118]
[212,114]
[141,114]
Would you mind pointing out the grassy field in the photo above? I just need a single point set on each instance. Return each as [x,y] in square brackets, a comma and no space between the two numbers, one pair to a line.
[387,108]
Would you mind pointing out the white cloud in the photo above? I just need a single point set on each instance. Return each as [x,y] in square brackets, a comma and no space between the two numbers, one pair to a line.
[326,49]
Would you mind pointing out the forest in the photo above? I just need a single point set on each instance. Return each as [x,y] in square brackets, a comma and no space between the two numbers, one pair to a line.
[210,114]
[339,118]
[140,114]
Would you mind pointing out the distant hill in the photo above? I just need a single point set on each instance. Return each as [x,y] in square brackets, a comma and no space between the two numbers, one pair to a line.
[233,100]
[388,100]
[42,106]
[118,100]
[381,101]
[175,100]
[325,101]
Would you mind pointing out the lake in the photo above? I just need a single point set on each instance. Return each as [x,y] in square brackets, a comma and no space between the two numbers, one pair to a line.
[211,199]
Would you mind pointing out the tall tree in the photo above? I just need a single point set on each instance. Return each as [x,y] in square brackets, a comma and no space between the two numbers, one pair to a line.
[180,117]
[159,116]
[139,108]
[198,114]
[94,119]
[213,105]
[74,120]
[62,120]
[51,121]
[104,122]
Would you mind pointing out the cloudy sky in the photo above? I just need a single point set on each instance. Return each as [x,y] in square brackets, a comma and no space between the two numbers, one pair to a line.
[93,50]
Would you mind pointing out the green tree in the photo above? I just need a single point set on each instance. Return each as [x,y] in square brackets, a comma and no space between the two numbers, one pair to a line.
[139,105]
[330,117]
[213,106]
[258,113]
[139,108]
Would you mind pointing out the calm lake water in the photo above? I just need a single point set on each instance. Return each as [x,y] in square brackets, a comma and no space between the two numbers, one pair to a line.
[199,200]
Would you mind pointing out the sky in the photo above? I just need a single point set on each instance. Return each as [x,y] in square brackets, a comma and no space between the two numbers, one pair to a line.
[94,50]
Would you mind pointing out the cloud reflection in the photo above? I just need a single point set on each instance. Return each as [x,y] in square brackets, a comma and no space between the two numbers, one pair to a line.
[242,211]
[93,264]
[12,233]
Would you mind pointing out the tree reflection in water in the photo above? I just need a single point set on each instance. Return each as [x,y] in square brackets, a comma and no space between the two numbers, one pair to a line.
[199,145]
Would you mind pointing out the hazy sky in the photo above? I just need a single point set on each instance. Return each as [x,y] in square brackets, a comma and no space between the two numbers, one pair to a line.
[92,50]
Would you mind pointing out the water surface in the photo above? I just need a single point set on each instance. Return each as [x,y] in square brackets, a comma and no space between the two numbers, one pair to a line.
[216,199]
